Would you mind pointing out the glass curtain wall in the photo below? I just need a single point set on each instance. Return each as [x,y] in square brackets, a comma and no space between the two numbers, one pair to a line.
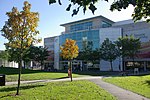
[91,35]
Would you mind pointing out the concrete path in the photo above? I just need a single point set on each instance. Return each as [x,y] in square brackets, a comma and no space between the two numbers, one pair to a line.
[53,80]
[120,93]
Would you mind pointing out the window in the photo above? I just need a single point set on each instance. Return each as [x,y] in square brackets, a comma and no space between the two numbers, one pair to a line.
[95,34]
[84,34]
[79,45]
[90,35]
[79,36]
[105,24]
[95,44]
[81,26]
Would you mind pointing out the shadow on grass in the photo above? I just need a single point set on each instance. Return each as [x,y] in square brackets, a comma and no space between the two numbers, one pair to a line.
[5,96]
[12,71]
[8,89]
[148,82]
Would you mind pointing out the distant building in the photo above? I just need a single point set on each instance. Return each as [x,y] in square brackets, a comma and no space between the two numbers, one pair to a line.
[5,63]
[96,30]
[52,45]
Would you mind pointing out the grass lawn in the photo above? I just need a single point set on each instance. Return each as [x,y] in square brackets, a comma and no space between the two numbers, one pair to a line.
[12,74]
[76,90]
[137,84]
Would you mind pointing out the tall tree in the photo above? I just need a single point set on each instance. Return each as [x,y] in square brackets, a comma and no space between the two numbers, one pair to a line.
[20,31]
[43,55]
[69,51]
[109,51]
[130,46]
[141,7]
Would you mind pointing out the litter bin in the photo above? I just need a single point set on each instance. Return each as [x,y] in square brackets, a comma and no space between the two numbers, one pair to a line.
[2,80]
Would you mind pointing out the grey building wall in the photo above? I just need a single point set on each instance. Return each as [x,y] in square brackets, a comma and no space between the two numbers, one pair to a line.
[113,34]
[56,52]
[139,30]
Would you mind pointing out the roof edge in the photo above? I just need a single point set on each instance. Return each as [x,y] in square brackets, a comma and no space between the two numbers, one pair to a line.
[86,19]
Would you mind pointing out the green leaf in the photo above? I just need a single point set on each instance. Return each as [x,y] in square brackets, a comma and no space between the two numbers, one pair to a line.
[92,8]
[52,1]
[68,8]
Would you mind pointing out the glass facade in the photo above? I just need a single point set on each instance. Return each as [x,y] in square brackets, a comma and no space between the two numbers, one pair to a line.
[105,24]
[79,37]
[81,26]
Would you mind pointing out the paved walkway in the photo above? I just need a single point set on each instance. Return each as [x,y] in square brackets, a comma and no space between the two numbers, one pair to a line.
[53,80]
[120,93]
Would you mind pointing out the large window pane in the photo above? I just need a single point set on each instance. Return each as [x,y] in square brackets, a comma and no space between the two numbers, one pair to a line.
[79,36]
[81,26]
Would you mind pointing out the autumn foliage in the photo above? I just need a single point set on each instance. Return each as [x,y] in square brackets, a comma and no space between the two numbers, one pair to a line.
[20,31]
[69,50]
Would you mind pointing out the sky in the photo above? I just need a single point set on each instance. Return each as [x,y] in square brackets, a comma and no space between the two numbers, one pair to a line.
[51,16]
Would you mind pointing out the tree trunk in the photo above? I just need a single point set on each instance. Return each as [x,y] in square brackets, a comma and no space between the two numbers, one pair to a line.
[4,64]
[20,67]
[133,62]
[71,70]
[41,65]
[92,64]
[111,66]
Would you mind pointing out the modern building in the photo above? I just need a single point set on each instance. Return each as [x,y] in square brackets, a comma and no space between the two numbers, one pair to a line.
[139,30]
[52,45]
[96,30]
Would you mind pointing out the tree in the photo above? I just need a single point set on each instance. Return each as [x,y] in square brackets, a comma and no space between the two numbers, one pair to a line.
[20,31]
[40,54]
[88,54]
[69,51]
[141,10]
[4,56]
[26,57]
[130,46]
[109,51]
[13,54]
